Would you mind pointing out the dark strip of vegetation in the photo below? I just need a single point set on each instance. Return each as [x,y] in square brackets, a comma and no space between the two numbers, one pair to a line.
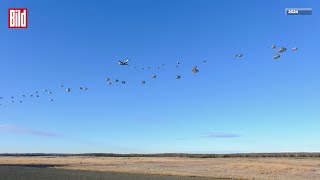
[32,165]
[245,155]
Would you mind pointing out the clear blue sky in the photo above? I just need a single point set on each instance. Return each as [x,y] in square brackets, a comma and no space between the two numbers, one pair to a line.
[250,105]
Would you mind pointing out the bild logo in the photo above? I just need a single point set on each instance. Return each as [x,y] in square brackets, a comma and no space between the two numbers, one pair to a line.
[17,18]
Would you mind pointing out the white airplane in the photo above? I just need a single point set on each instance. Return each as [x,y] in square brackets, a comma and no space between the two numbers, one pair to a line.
[124,62]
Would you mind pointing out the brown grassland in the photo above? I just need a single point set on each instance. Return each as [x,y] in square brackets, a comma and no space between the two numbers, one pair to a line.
[233,168]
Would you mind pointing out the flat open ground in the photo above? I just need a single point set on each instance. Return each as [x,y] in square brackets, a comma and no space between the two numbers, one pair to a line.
[234,168]
[38,173]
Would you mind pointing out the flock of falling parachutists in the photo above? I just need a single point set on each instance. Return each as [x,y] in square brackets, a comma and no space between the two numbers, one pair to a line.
[154,76]
[281,50]
[109,81]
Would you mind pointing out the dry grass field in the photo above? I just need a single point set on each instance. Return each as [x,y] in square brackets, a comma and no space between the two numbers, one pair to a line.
[233,168]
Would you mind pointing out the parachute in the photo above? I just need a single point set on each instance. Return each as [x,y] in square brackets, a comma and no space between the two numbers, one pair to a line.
[276,56]
[195,69]
[282,50]
[239,55]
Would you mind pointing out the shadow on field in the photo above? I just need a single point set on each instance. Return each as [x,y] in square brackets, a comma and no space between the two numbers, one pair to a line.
[32,165]
[44,171]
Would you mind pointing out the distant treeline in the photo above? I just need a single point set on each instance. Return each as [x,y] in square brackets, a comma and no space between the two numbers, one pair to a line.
[245,155]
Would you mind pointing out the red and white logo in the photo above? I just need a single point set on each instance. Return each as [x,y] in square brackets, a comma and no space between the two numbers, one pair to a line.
[17,18]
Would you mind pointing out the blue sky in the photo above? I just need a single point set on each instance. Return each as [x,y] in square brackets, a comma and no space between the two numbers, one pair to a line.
[252,104]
